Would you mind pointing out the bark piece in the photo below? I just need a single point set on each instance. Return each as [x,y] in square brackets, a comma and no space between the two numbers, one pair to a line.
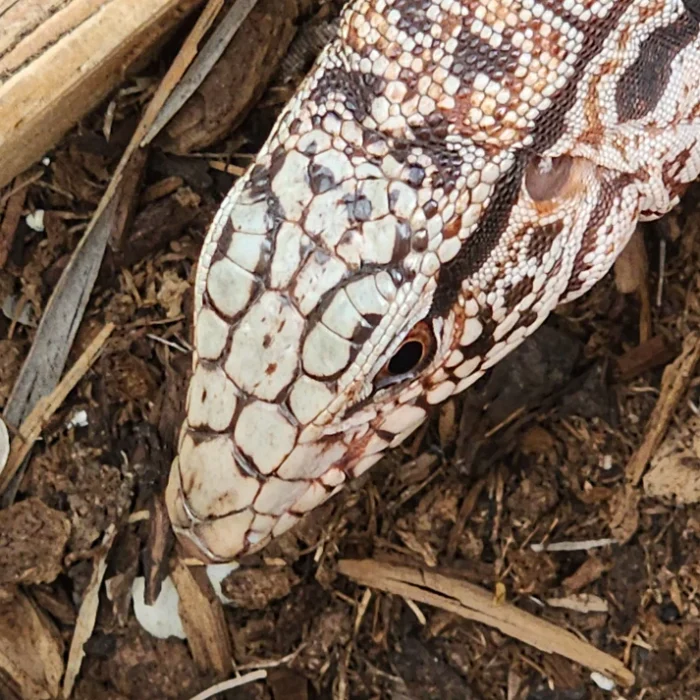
[32,540]
[58,60]
[203,619]
[31,650]
[238,79]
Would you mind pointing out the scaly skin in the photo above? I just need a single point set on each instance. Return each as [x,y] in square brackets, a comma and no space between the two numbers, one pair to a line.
[448,173]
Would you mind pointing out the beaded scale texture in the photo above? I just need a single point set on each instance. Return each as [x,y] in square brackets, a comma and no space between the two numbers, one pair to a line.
[448,173]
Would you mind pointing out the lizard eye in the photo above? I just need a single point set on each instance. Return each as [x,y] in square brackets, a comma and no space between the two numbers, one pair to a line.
[410,357]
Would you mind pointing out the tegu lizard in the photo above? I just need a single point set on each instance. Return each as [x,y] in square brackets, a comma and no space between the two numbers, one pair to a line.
[447,174]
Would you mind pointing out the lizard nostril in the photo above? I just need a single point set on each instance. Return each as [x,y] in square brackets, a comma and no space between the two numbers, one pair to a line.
[546,178]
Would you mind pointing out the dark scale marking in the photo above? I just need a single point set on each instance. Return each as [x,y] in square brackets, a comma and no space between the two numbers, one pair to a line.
[609,195]
[515,294]
[416,176]
[430,209]
[477,248]
[321,178]
[311,149]
[263,264]
[481,346]
[448,166]
[420,241]
[359,207]
[551,125]
[259,184]
[473,55]
[224,241]
[526,320]
[542,239]
[385,435]
[356,90]
[435,129]
[643,84]
[693,8]
[413,16]
[402,242]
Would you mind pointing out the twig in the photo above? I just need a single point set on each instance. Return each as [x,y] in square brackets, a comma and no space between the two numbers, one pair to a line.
[35,422]
[674,384]
[203,62]
[87,615]
[474,603]
[583,545]
[230,684]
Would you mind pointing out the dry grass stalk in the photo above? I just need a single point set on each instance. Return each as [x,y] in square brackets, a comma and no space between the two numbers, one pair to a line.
[474,603]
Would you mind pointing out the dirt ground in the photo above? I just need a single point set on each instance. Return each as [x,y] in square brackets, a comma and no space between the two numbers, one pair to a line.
[536,454]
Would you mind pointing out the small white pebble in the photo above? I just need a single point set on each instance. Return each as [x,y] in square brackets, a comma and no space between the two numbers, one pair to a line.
[162,619]
[46,160]
[79,419]
[603,682]
[35,220]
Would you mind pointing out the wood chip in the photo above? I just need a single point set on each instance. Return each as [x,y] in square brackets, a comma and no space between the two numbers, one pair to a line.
[582,603]
[59,60]
[631,275]
[589,572]
[231,684]
[644,357]
[160,541]
[64,312]
[31,649]
[474,603]
[203,620]
[675,468]
[203,61]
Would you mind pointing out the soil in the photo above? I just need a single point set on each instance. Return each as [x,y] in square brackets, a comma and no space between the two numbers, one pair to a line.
[536,453]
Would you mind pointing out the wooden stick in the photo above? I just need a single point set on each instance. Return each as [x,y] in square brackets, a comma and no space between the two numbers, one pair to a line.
[231,684]
[60,59]
[674,384]
[87,615]
[31,428]
[474,603]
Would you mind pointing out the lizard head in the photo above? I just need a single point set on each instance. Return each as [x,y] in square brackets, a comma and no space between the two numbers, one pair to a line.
[440,182]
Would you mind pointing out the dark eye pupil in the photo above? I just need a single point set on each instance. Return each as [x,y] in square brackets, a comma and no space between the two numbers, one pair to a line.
[406,357]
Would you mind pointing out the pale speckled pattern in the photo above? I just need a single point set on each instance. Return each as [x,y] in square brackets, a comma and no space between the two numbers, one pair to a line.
[449,172]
